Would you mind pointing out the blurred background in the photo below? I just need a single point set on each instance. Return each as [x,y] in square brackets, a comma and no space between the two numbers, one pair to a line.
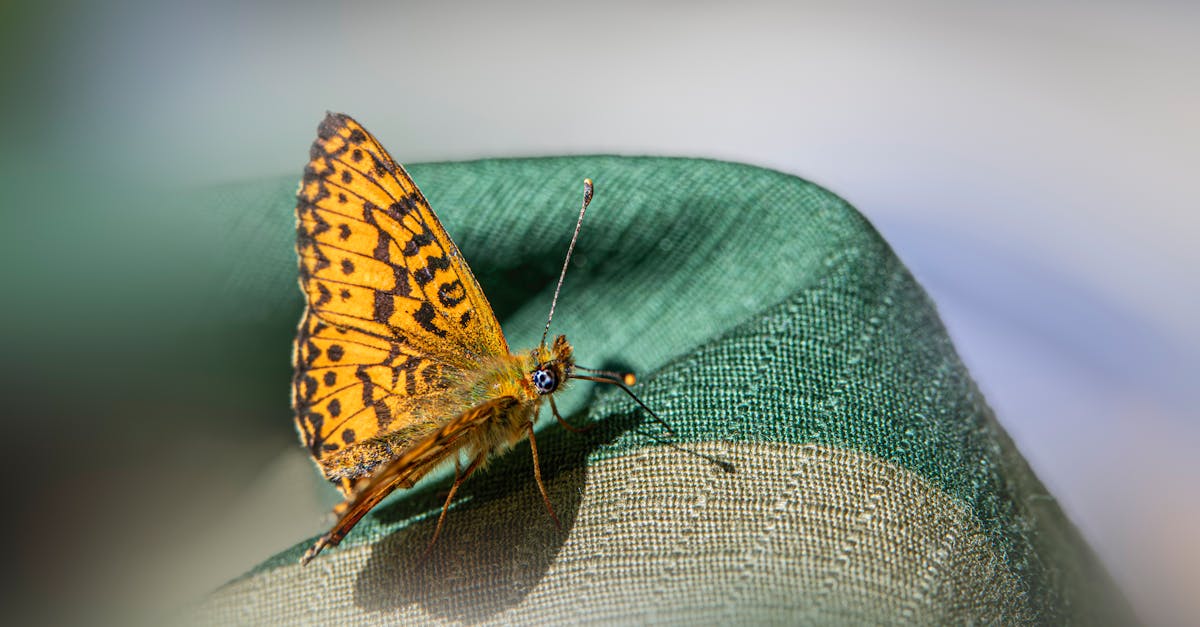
[1033,164]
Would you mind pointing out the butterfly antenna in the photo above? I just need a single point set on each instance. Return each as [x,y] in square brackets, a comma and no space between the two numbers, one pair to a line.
[587,198]
[628,378]
[620,382]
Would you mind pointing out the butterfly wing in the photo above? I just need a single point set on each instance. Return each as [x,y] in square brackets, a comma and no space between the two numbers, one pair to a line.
[393,314]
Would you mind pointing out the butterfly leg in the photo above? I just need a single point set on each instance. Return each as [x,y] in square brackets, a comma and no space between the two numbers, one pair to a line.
[566,425]
[537,474]
[458,480]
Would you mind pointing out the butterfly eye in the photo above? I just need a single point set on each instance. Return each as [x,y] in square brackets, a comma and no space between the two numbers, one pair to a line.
[544,381]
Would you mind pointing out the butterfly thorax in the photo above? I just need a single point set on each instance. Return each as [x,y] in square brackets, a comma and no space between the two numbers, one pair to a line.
[510,394]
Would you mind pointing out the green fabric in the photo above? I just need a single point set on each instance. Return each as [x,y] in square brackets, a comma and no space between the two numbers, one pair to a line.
[759,311]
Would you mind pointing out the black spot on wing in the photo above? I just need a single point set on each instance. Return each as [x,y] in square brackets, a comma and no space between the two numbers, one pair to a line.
[451,294]
[309,436]
[322,260]
[402,287]
[425,317]
[438,263]
[311,353]
[305,208]
[418,240]
[330,378]
[329,127]
[423,276]
[304,234]
[383,415]
[323,295]
[409,368]
[385,305]
[402,207]
[382,251]
[336,352]
[432,266]
[314,420]
[310,387]
[368,386]
[380,167]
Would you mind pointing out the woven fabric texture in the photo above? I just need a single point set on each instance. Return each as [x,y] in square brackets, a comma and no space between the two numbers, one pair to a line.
[774,330]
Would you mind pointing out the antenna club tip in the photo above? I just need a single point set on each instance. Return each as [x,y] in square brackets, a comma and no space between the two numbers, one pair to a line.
[588,190]
[629,378]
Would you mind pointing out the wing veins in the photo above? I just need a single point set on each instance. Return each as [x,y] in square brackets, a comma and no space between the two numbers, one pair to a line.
[342,364]
[383,157]
[352,218]
[355,252]
[364,199]
[313,402]
[340,282]
[316,312]
[379,400]
[337,282]
[420,218]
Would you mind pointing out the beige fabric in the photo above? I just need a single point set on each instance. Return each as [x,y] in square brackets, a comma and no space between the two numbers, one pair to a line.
[795,534]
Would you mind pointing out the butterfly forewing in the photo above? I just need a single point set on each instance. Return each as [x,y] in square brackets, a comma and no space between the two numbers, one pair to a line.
[358,206]
[394,314]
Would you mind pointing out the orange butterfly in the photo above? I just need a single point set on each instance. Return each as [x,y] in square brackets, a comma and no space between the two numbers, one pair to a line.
[400,363]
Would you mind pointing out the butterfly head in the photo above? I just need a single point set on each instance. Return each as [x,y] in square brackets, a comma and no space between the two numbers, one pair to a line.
[553,366]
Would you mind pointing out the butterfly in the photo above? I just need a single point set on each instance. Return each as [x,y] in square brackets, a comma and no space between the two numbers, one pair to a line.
[400,363]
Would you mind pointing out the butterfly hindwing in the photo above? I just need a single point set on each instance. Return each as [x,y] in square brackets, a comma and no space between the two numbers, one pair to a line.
[351,386]
[406,469]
